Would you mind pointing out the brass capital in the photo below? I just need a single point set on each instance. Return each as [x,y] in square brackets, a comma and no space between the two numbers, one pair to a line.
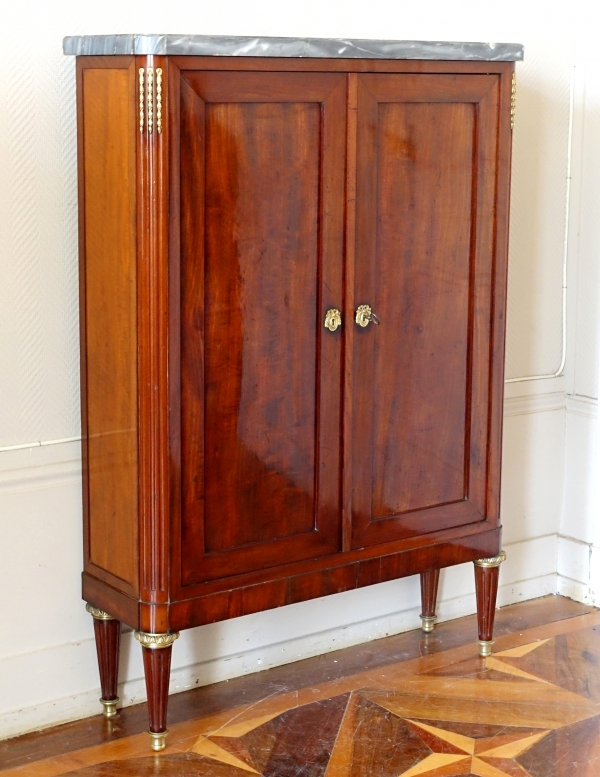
[99,615]
[156,641]
[494,561]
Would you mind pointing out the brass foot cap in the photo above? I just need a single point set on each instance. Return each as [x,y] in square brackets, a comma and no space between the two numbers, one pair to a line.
[159,741]
[110,707]
[428,623]
[485,647]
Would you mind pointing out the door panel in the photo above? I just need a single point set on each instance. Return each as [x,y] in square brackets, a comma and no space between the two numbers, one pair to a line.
[261,265]
[424,247]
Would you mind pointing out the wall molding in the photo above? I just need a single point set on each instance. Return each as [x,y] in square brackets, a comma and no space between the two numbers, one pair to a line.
[40,467]
[581,405]
[534,403]
[46,476]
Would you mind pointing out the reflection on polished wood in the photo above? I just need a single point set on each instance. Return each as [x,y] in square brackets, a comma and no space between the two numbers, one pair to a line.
[427,705]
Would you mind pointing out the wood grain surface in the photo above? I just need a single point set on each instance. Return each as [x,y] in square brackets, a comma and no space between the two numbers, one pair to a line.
[107,187]
[426,179]
[262,244]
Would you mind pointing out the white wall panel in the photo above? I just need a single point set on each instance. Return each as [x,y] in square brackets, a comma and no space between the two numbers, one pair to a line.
[538,208]
[573,560]
[580,510]
[532,470]
[39,398]
[586,344]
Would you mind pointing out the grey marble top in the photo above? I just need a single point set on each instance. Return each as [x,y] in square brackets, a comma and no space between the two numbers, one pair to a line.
[225,46]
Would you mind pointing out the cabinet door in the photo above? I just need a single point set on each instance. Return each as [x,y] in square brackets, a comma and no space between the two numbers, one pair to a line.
[262,188]
[419,382]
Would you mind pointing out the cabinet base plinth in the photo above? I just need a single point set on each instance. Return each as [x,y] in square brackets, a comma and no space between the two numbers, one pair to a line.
[428,623]
[485,647]
[158,742]
[109,707]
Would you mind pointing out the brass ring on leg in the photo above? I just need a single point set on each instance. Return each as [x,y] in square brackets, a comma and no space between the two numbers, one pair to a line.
[485,647]
[428,623]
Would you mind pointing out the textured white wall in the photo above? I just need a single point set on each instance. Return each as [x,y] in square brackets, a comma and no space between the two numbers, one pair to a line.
[47,672]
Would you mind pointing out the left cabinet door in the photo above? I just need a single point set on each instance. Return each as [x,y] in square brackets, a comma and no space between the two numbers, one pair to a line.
[261,159]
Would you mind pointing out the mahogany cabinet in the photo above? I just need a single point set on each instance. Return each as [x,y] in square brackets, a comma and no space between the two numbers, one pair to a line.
[293,297]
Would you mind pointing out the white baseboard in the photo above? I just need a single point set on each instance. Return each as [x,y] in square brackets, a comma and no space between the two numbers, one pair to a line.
[79,655]
[573,589]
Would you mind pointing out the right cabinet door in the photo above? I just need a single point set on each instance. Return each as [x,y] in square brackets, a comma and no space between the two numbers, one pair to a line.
[419,382]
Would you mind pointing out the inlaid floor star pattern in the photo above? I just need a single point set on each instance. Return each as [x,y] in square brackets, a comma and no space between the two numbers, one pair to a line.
[530,710]
[444,750]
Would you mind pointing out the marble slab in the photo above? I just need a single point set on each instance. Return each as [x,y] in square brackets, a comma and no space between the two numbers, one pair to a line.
[330,48]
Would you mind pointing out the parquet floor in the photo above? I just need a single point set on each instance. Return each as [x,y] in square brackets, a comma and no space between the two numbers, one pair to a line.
[400,707]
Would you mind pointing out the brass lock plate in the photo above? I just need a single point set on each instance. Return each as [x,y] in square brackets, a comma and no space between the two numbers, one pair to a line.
[333,319]
[363,315]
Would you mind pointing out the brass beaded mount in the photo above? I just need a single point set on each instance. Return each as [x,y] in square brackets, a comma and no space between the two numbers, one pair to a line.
[513,101]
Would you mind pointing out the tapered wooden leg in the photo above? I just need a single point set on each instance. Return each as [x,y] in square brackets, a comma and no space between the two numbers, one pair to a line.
[108,637]
[157,649]
[486,588]
[429,589]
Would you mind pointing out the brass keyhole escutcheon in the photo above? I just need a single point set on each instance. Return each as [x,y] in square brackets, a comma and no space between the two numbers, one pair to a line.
[364,315]
[333,319]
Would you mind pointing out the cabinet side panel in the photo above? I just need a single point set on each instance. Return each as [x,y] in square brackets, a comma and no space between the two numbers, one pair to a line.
[110,321]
